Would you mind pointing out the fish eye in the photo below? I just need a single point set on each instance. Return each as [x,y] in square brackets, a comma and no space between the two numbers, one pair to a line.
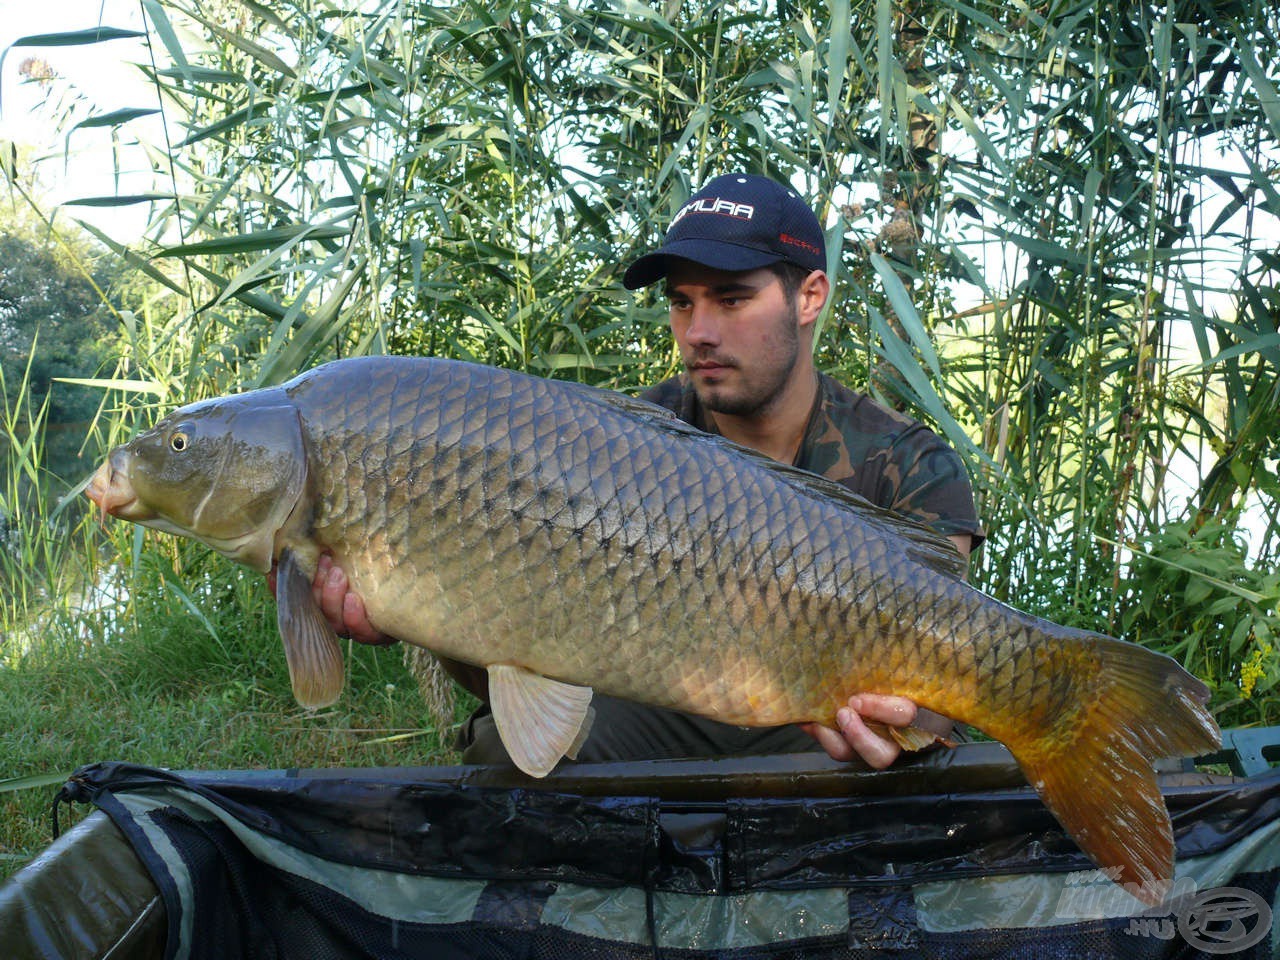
[179,442]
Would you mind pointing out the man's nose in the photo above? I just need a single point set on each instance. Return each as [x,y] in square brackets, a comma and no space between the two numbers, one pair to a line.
[704,329]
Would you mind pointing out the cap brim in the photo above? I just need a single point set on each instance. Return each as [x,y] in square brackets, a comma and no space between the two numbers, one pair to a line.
[716,254]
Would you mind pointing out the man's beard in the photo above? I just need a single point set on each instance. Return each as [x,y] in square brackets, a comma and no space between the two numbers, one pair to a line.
[762,395]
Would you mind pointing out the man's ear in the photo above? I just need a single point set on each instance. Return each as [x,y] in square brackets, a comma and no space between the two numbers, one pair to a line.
[812,297]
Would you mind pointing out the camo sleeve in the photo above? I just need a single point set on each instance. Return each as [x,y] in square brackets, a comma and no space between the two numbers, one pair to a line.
[891,459]
[885,456]
[677,395]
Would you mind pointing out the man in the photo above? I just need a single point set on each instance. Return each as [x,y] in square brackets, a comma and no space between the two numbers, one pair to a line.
[744,268]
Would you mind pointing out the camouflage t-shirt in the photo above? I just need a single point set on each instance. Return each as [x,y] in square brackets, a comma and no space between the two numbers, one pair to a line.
[879,454]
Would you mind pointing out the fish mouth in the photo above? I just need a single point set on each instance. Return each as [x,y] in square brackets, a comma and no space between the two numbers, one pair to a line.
[112,493]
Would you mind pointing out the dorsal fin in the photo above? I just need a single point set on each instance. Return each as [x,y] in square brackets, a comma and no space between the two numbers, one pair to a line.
[925,545]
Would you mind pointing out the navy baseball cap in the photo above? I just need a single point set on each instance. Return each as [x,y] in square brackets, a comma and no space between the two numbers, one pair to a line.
[737,222]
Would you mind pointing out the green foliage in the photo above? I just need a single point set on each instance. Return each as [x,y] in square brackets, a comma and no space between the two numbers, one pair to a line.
[36,558]
[52,296]
[1197,585]
[178,664]
[43,297]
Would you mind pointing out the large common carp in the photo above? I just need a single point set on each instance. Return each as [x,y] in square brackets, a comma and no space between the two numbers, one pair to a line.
[568,538]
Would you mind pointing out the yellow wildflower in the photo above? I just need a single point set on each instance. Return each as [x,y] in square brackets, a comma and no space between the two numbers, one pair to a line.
[1251,671]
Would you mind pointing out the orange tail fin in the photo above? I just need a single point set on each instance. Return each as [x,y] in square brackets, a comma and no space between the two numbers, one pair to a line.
[1094,771]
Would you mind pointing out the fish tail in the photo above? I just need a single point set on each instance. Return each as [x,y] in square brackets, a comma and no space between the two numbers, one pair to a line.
[1093,768]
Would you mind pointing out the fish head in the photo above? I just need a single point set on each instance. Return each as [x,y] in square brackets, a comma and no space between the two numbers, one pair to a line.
[228,472]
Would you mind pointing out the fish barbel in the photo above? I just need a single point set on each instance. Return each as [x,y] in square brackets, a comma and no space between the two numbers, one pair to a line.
[569,539]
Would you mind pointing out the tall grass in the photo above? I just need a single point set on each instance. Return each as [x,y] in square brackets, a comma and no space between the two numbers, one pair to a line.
[194,678]
[43,555]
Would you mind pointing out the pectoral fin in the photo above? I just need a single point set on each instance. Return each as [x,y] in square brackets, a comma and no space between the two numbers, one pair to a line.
[310,645]
[539,720]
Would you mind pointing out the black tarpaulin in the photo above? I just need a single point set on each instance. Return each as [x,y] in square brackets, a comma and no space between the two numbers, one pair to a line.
[402,863]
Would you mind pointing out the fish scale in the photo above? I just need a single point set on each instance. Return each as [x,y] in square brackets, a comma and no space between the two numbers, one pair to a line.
[566,538]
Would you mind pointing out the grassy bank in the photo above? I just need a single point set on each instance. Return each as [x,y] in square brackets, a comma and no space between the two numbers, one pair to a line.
[191,689]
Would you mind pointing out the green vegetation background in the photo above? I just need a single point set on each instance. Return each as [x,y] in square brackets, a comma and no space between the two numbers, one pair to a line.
[1053,233]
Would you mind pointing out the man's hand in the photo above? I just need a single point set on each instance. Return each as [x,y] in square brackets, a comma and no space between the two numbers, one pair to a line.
[856,739]
[343,608]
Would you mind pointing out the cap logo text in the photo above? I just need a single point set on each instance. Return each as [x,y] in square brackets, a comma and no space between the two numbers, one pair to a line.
[804,245]
[725,208]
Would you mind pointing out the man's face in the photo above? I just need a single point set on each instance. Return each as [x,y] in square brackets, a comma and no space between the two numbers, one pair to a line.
[737,333]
